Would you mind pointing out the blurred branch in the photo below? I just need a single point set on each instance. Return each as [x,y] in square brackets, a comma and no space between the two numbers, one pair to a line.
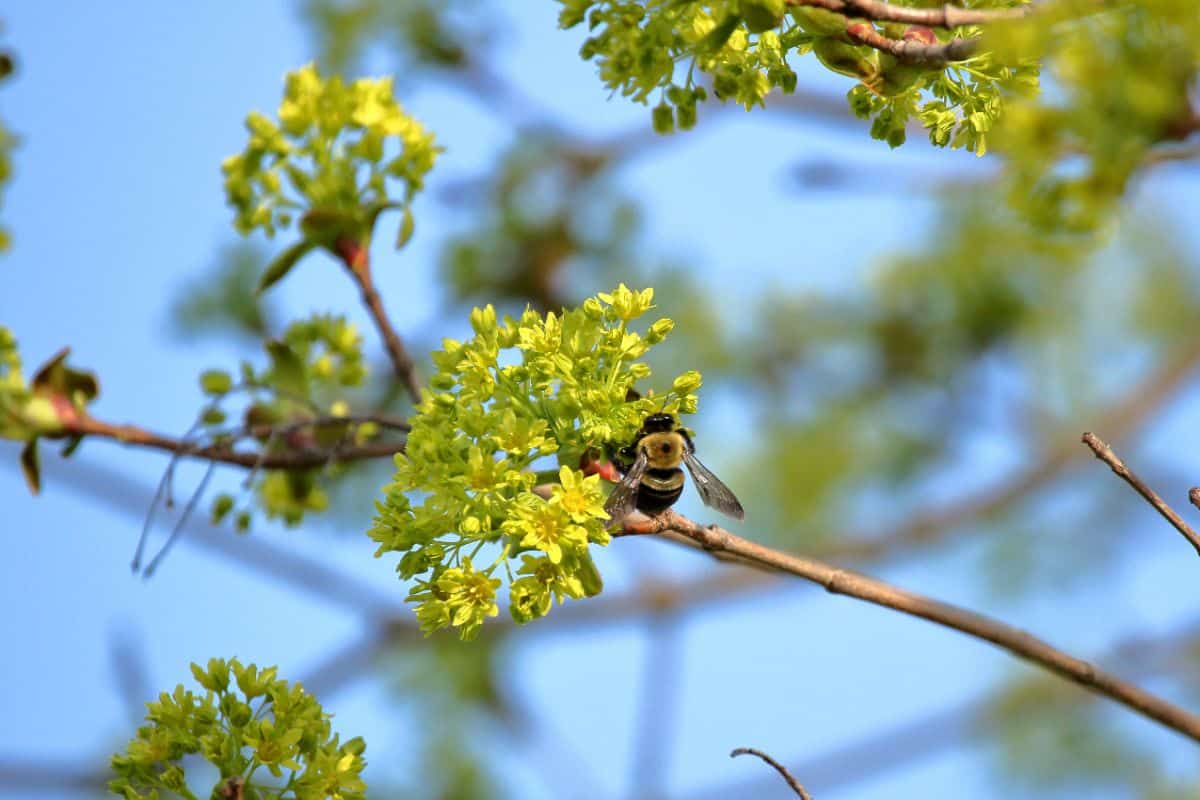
[224,453]
[116,492]
[871,590]
[1106,454]
[131,673]
[1167,153]
[34,777]
[780,768]
[657,708]
[232,789]
[945,17]
[1120,419]
[948,728]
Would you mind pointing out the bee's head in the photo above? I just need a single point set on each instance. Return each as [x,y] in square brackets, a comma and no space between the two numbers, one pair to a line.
[658,423]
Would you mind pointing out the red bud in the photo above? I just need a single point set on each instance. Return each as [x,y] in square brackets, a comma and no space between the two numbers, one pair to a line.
[605,469]
[351,251]
[65,410]
[919,33]
[860,30]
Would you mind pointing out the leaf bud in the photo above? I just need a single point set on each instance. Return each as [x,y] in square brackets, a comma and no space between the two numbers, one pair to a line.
[763,15]
[687,383]
[659,330]
[483,319]
[819,21]
[663,117]
[920,33]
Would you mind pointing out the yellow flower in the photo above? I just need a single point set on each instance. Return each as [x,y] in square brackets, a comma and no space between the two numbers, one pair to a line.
[544,527]
[580,497]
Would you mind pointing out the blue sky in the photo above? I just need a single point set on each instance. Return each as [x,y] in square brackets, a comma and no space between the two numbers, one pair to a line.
[125,112]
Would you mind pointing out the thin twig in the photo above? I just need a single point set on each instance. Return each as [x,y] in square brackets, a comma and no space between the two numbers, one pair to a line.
[110,489]
[164,494]
[871,590]
[192,502]
[1106,454]
[225,454]
[780,768]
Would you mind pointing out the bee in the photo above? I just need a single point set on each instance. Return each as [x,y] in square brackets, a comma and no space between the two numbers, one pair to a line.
[652,480]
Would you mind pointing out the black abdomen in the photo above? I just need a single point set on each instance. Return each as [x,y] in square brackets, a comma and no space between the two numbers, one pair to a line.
[659,489]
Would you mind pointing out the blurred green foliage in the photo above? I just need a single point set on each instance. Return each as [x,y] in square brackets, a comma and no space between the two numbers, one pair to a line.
[549,212]
[224,299]
[453,693]
[440,34]
[1053,740]
[1121,81]
[8,140]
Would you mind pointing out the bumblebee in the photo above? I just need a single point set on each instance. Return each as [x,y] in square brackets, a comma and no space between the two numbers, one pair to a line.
[651,478]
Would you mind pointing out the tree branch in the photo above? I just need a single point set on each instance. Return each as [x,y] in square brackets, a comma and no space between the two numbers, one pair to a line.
[912,51]
[358,265]
[947,16]
[780,768]
[1106,454]
[871,590]
[223,453]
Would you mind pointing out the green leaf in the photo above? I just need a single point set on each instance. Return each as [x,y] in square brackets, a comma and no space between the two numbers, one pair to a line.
[282,264]
[715,39]
[56,378]
[30,466]
[71,446]
[216,382]
[663,119]
[287,370]
[407,224]
[325,225]
[222,505]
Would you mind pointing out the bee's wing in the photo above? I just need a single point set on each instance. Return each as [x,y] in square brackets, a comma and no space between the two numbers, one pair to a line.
[714,493]
[623,499]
